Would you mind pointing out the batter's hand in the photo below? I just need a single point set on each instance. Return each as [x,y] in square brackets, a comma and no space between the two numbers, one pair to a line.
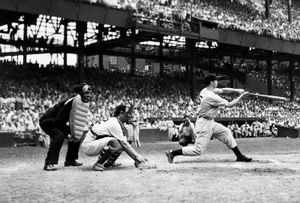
[244,93]
[240,91]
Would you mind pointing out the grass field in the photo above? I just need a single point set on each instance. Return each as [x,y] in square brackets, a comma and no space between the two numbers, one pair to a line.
[273,176]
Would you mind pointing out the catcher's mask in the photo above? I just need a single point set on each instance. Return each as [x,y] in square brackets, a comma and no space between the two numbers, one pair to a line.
[124,112]
[86,93]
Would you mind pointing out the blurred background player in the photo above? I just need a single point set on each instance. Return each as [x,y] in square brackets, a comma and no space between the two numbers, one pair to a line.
[136,127]
[186,132]
[55,123]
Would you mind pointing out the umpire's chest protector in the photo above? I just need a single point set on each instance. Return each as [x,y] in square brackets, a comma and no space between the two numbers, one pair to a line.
[78,118]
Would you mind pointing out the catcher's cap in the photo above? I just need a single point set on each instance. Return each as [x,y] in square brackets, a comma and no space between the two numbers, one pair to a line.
[122,108]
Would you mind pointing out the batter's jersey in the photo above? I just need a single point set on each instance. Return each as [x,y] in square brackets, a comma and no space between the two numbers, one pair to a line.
[110,128]
[210,103]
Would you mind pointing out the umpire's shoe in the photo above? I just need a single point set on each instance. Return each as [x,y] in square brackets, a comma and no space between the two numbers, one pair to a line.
[49,167]
[170,156]
[72,163]
[243,158]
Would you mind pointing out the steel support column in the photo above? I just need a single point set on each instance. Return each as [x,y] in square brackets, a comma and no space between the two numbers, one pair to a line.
[269,72]
[132,60]
[161,65]
[25,41]
[65,22]
[291,78]
[81,30]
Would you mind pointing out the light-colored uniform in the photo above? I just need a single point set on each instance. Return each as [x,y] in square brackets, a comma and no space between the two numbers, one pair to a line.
[136,129]
[207,127]
[111,129]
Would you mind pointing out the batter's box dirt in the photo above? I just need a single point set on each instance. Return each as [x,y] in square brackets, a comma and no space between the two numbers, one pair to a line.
[267,161]
[277,171]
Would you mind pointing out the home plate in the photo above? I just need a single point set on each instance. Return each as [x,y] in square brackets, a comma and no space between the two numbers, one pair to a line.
[274,161]
[237,165]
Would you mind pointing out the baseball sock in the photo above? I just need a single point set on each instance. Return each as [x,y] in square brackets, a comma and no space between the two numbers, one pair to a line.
[237,152]
[176,152]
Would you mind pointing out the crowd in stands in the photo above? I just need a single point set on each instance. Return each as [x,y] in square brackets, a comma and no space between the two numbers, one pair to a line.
[244,15]
[280,78]
[26,94]
[255,129]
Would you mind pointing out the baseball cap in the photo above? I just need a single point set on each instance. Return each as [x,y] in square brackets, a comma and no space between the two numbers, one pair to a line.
[210,78]
[122,108]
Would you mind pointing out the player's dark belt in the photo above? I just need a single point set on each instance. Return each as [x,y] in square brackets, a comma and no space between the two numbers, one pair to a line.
[98,136]
[206,117]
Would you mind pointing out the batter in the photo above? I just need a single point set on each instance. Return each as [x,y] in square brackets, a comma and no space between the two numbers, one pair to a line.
[206,127]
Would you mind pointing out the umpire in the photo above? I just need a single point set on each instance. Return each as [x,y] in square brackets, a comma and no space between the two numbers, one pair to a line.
[55,123]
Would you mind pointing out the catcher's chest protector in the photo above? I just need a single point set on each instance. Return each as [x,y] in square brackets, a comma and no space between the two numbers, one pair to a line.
[78,118]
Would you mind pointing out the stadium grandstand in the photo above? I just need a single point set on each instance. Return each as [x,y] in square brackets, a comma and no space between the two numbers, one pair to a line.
[150,54]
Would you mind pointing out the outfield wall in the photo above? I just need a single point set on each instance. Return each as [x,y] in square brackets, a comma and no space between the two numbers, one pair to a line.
[11,139]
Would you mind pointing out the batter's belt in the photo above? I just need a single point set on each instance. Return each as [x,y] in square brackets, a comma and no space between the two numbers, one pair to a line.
[206,117]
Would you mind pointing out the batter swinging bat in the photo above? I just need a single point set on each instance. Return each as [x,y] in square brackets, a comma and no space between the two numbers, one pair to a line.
[268,96]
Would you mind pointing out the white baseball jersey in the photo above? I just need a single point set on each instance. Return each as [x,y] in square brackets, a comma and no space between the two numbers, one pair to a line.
[210,103]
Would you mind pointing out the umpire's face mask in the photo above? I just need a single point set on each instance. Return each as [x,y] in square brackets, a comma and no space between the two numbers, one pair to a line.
[86,95]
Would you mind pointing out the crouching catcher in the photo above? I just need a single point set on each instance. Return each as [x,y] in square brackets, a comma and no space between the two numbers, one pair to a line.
[109,139]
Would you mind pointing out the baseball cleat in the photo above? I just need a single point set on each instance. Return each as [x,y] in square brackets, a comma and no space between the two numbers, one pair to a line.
[49,167]
[170,156]
[72,163]
[243,158]
[98,167]
[116,164]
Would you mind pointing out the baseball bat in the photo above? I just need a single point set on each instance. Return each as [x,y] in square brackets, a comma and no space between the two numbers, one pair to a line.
[268,96]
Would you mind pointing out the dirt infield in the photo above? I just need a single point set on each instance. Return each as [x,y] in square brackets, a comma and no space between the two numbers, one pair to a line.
[273,176]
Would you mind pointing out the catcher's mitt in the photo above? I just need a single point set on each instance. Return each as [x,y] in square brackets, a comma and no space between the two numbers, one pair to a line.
[144,165]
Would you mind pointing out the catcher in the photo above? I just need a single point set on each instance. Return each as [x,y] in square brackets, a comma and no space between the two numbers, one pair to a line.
[108,140]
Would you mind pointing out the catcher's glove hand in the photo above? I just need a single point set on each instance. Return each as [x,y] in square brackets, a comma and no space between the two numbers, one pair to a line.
[144,165]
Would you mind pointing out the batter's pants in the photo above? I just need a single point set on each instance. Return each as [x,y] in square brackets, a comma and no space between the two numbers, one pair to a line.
[204,130]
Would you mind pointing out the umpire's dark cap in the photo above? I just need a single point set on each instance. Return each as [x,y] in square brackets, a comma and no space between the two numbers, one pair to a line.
[82,88]
[210,78]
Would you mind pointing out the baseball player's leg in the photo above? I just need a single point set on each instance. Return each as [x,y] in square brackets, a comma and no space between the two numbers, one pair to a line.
[203,131]
[72,154]
[136,136]
[95,147]
[223,134]
[115,149]
[185,140]
[56,142]
[129,129]
[108,155]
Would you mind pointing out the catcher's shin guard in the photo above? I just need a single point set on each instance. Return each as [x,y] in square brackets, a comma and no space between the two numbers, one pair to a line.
[115,150]
[111,160]
[104,155]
